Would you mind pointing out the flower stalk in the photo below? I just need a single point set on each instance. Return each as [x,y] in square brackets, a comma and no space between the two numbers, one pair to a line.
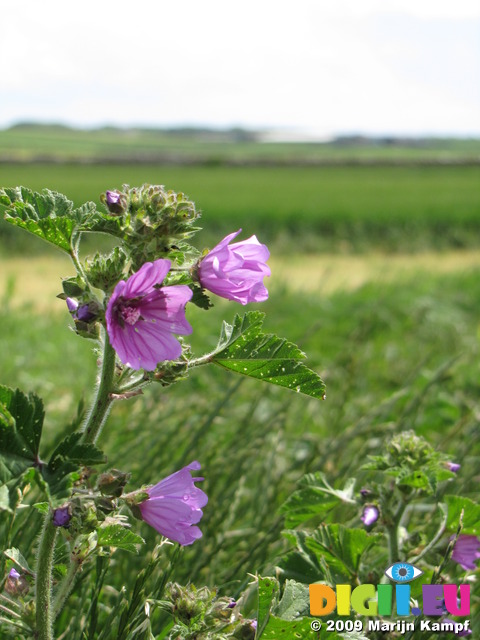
[103,400]
[43,582]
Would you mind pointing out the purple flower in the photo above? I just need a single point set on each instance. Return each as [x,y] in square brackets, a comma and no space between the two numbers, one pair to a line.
[141,317]
[14,575]
[62,516]
[460,634]
[453,466]
[236,271]
[466,551]
[174,506]
[370,515]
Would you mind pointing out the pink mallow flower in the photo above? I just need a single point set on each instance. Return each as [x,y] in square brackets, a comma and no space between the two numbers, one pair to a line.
[174,506]
[466,551]
[236,271]
[370,515]
[142,316]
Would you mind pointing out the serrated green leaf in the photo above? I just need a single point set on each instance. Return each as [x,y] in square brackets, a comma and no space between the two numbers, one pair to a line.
[73,450]
[200,297]
[245,349]
[268,589]
[58,483]
[21,422]
[341,548]
[471,515]
[63,469]
[295,602]
[332,553]
[57,231]
[42,507]
[278,629]
[48,215]
[115,535]
[314,498]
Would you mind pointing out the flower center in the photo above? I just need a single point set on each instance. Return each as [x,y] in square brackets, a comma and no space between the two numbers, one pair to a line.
[130,314]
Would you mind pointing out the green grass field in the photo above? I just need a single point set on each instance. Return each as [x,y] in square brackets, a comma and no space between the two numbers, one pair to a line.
[298,208]
[26,143]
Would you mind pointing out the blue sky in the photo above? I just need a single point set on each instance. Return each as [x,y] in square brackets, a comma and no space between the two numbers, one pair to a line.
[405,67]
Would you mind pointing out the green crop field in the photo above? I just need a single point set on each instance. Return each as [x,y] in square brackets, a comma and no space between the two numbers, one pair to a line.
[298,208]
[26,143]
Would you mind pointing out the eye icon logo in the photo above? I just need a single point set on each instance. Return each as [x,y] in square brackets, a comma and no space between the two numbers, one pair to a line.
[403,572]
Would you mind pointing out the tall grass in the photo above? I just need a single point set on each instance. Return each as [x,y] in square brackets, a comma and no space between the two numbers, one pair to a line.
[397,356]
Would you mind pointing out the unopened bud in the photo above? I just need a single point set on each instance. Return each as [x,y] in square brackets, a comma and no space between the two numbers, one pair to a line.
[16,584]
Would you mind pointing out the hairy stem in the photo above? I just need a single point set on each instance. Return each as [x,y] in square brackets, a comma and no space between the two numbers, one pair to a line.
[103,399]
[43,581]
[392,533]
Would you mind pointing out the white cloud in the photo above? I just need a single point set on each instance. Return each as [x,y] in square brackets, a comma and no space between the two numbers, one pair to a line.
[334,65]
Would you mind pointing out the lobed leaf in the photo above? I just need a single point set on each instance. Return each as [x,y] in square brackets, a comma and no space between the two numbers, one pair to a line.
[245,349]
[21,422]
[116,535]
[314,498]
[471,515]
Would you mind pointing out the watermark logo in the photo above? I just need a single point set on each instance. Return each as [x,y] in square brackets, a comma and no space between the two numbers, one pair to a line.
[386,599]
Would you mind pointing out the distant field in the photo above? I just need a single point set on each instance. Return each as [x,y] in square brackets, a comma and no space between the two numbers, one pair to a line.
[27,143]
[298,208]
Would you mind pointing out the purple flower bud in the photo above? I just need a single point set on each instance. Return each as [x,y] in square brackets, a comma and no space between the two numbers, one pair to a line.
[466,551]
[62,516]
[236,271]
[16,584]
[370,515]
[72,305]
[365,492]
[453,466]
[85,313]
[113,200]
[174,506]
[142,316]
[232,604]
[112,197]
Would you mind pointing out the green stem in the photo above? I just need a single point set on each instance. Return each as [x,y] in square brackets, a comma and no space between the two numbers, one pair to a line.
[103,399]
[74,248]
[392,532]
[43,581]
[65,588]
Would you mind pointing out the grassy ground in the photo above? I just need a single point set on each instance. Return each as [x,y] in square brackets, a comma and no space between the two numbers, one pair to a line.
[299,209]
[396,352]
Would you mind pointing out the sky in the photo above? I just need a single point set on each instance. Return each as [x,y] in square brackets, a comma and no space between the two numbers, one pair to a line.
[313,67]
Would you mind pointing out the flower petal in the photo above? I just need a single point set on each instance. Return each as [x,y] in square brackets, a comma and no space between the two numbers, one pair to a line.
[149,274]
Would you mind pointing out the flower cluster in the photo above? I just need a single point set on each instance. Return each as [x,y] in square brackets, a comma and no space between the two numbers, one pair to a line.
[142,315]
